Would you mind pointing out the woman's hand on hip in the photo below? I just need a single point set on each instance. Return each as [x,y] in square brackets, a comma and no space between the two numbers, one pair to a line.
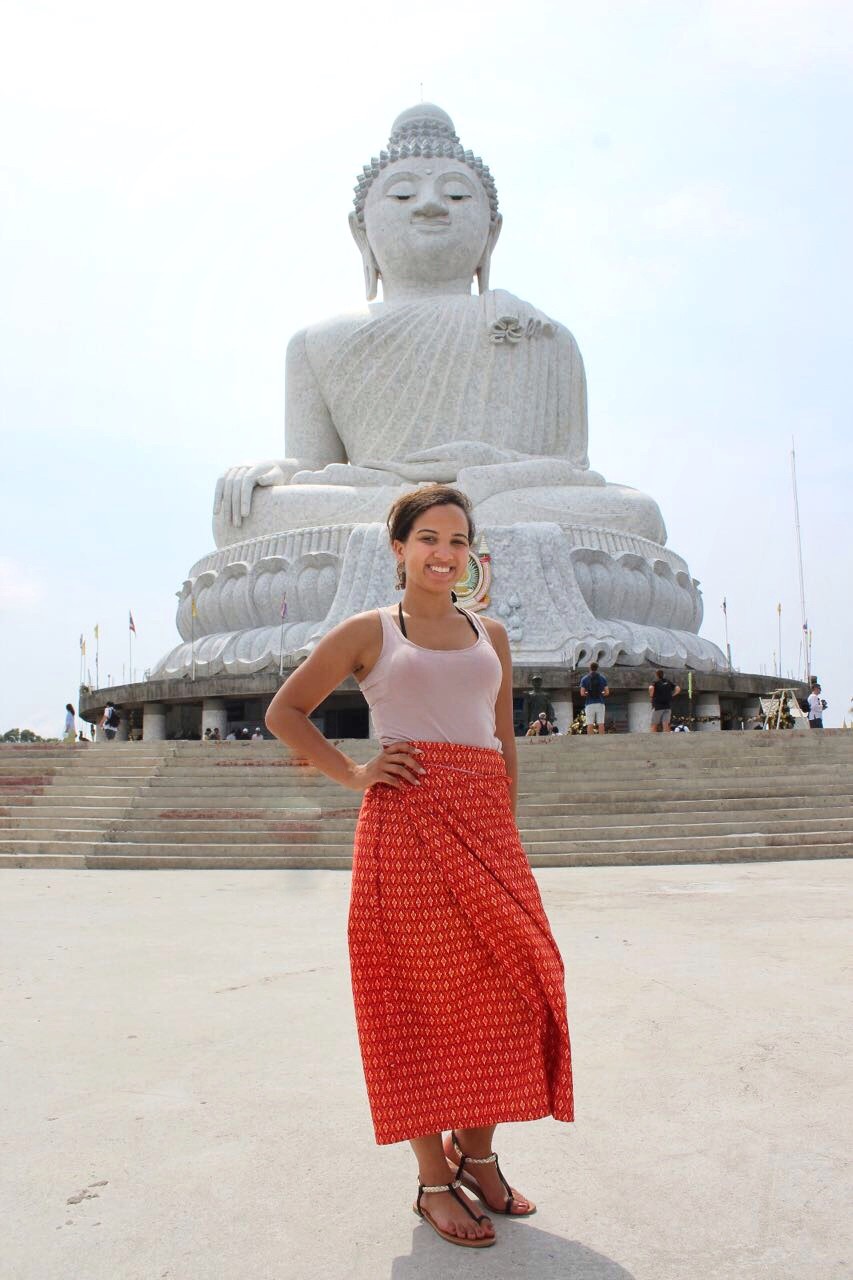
[397,765]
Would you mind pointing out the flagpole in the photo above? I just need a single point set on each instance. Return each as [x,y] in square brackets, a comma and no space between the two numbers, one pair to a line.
[192,636]
[97,651]
[779,614]
[726,624]
[804,619]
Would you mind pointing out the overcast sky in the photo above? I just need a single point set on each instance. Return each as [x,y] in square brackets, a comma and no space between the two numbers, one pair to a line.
[175,182]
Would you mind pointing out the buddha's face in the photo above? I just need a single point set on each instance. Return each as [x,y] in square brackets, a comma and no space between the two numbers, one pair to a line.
[427,221]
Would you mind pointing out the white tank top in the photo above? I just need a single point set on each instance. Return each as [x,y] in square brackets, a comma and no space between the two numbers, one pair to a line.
[434,695]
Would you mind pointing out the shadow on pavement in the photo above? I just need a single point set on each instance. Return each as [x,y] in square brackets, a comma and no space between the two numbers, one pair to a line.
[521,1251]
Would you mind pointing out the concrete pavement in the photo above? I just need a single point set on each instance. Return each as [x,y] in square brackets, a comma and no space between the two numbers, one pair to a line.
[184,1098]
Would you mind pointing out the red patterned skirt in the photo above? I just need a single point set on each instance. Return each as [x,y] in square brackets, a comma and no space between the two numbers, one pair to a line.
[457,980]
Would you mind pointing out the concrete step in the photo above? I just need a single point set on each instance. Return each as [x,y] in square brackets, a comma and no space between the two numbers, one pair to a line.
[627,848]
[322,833]
[278,861]
[600,797]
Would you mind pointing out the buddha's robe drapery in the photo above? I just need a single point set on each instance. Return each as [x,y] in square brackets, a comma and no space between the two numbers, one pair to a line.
[488,370]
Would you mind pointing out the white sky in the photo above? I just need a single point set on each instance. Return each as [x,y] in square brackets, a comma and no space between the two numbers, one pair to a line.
[175,181]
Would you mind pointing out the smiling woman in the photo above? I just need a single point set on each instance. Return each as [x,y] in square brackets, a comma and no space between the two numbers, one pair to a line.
[457,980]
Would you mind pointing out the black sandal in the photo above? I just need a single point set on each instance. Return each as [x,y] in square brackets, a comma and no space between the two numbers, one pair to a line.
[453,1188]
[470,1181]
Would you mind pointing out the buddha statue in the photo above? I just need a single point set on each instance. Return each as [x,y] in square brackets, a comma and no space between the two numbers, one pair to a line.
[435,383]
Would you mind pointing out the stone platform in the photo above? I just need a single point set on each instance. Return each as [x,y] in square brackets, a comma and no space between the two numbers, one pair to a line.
[189,1103]
[171,709]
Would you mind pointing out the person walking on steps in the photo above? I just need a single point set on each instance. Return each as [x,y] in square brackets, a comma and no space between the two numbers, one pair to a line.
[661,693]
[593,690]
[457,981]
[817,706]
[110,721]
[70,732]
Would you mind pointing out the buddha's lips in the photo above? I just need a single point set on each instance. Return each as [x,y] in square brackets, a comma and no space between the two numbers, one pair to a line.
[435,224]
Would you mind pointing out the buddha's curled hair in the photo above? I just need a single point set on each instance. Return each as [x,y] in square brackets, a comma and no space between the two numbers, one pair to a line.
[425,131]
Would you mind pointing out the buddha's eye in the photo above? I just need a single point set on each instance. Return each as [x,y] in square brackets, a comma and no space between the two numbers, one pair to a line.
[456,193]
[401,195]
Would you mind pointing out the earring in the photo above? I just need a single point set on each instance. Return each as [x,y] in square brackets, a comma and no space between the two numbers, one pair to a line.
[454,597]
[401,575]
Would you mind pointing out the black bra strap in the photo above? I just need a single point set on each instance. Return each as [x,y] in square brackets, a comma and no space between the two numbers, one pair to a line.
[466,616]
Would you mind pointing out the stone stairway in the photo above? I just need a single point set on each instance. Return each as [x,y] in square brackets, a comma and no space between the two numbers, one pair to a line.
[620,799]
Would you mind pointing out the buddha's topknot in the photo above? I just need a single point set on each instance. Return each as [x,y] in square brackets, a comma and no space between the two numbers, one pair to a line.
[424,130]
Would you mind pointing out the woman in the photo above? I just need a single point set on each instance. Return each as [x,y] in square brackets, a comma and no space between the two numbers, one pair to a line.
[457,981]
[70,734]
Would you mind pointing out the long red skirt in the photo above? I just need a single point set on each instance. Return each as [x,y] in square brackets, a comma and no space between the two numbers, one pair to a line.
[457,980]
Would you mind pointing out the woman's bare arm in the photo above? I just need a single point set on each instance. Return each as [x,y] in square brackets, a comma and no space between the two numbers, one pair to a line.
[349,649]
[504,723]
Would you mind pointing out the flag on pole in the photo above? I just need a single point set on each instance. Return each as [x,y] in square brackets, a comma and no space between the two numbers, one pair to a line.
[690,684]
[83,646]
[724,605]
[96,630]
[283,610]
[779,609]
[193,609]
[131,624]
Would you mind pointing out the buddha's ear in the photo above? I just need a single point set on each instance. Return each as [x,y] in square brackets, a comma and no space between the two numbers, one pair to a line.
[371,266]
[486,260]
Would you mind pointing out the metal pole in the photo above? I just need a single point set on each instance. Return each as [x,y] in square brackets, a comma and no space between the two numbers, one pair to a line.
[192,636]
[804,618]
[779,612]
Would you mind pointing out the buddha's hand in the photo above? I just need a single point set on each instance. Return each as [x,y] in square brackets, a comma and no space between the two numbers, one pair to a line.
[233,496]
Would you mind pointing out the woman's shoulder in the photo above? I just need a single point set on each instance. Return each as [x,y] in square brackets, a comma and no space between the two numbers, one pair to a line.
[495,630]
[362,625]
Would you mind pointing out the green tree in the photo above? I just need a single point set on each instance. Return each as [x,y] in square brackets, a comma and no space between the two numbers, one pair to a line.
[21,735]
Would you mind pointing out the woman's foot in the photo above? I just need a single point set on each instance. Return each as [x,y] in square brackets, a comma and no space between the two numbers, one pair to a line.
[485,1179]
[448,1215]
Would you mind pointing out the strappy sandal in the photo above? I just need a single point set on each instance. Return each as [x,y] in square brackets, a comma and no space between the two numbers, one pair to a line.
[470,1180]
[453,1188]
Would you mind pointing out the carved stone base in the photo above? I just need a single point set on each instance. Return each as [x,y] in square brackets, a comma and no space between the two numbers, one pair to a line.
[567,595]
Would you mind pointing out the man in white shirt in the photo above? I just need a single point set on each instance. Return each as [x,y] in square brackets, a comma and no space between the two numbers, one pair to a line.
[816,708]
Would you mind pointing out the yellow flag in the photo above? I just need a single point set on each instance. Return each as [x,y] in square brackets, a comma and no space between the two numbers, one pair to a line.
[96,630]
[194,609]
[779,608]
[83,648]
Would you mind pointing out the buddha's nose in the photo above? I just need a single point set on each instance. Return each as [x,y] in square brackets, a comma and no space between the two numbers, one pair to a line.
[430,205]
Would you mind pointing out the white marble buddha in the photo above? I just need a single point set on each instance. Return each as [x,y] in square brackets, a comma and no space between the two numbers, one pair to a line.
[433,382]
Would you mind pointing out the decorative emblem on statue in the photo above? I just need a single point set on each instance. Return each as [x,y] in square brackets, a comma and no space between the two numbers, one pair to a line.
[472,591]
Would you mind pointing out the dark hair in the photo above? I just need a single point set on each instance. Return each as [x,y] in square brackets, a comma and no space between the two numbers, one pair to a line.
[659,675]
[409,506]
[68,707]
[593,666]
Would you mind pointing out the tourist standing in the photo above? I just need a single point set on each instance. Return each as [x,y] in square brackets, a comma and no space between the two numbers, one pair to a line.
[593,690]
[110,721]
[817,706]
[541,727]
[457,980]
[661,693]
[70,731]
